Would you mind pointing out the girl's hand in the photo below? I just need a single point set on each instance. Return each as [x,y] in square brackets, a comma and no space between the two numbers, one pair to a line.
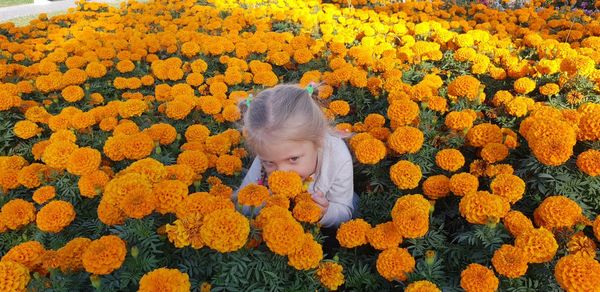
[319,198]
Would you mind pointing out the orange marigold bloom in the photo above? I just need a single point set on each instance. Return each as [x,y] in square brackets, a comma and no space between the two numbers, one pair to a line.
[72,93]
[178,234]
[125,66]
[482,207]
[221,190]
[194,158]
[449,159]
[17,213]
[539,245]
[384,236]
[164,279]
[557,212]
[253,195]
[464,86]
[177,109]
[403,111]
[269,212]
[307,211]
[110,214]
[370,151]
[55,216]
[95,69]
[31,176]
[283,235]
[549,89]
[91,185]
[578,273]
[494,152]
[309,255]
[492,170]
[104,255]
[56,155]
[422,286]
[589,162]
[231,113]
[26,129]
[517,223]
[225,230]
[71,253]
[278,200]
[331,275]
[218,144]
[482,134]
[132,108]
[28,253]
[43,194]
[181,172]
[406,139]
[285,183]
[405,174]
[228,164]
[437,186]
[339,107]
[582,245]
[510,261]
[463,183]
[84,161]
[478,278]
[395,263]
[353,233]
[168,194]
[15,276]
[524,85]
[163,133]
[508,186]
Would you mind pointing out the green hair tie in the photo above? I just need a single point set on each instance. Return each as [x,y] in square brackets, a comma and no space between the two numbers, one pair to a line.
[310,88]
[248,100]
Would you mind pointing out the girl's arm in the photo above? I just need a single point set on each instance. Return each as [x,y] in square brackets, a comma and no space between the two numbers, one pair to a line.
[340,196]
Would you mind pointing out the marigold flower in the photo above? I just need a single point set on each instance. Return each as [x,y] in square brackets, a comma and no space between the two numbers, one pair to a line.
[482,207]
[43,194]
[384,236]
[17,213]
[137,146]
[557,212]
[150,168]
[508,186]
[104,255]
[283,235]
[70,254]
[177,109]
[15,276]
[370,151]
[72,93]
[549,89]
[31,176]
[580,244]
[56,155]
[331,275]
[589,162]
[463,183]
[464,86]
[539,245]
[353,233]
[278,200]
[169,193]
[482,134]
[26,129]
[449,159]
[110,214]
[253,195]
[339,107]
[524,85]
[478,278]
[406,139]
[405,174]
[269,212]
[403,112]
[494,152]
[194,158]
[517,223]
[164,279]
[309,255]
[395,263]
[225,230]
[578,273]
[83,161]
[229,164]
[307,211]
[422,286]
[510,261]
[437,186]
[178,234]
[55,216]
[285,183]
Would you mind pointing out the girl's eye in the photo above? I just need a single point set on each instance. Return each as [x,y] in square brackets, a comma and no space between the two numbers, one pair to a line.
[267,163]
[294,159]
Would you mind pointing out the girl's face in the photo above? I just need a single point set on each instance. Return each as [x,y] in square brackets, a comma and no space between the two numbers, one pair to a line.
[288,155]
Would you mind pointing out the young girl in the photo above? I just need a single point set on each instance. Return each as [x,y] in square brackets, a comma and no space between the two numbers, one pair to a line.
[286,129]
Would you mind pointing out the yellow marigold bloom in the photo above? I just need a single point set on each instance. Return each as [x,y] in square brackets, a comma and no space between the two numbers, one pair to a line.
[449,159]
[56,155]
[72,93]
[405,174]
[370,151]
[557,212]
[459,121]
[411,222]
[283,235]
[384,236]
[38,149]
[307,211]
[15,276]
[524,85]
[55,216]
[578,273]
[406,139]
[539,245]
[580,244]
[403,111]
[169,193]
[478,278]
[70,254]
[104,255]
[309,255]
[285,183]
[549,89]
[422,286]
[508,186]
[194,158]
[17,213]
[229,164]
[437,186]
[463,183]
[518,106]
[28,253]
[339,107]
[589,162]
[83,161]
[510,261]
[482,207]
[26,129]
[353,233]
[253,195]
[44,194]
[494,152]
[464,86]
[395,263]
[482,134]
[225,230]
[331,275]
[178,234]
[164,279]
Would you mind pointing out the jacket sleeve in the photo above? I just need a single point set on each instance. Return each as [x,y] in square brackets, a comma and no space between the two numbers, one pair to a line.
[340,196]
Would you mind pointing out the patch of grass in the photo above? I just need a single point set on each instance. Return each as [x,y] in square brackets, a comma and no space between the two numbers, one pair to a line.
[6,3]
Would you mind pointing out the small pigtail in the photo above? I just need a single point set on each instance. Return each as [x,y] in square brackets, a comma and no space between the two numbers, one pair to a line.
[244,104]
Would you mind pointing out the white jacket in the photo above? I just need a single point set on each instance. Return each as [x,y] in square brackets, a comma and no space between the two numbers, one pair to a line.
[334,177]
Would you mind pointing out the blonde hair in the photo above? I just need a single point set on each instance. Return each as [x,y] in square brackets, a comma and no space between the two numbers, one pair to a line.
[287,112]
